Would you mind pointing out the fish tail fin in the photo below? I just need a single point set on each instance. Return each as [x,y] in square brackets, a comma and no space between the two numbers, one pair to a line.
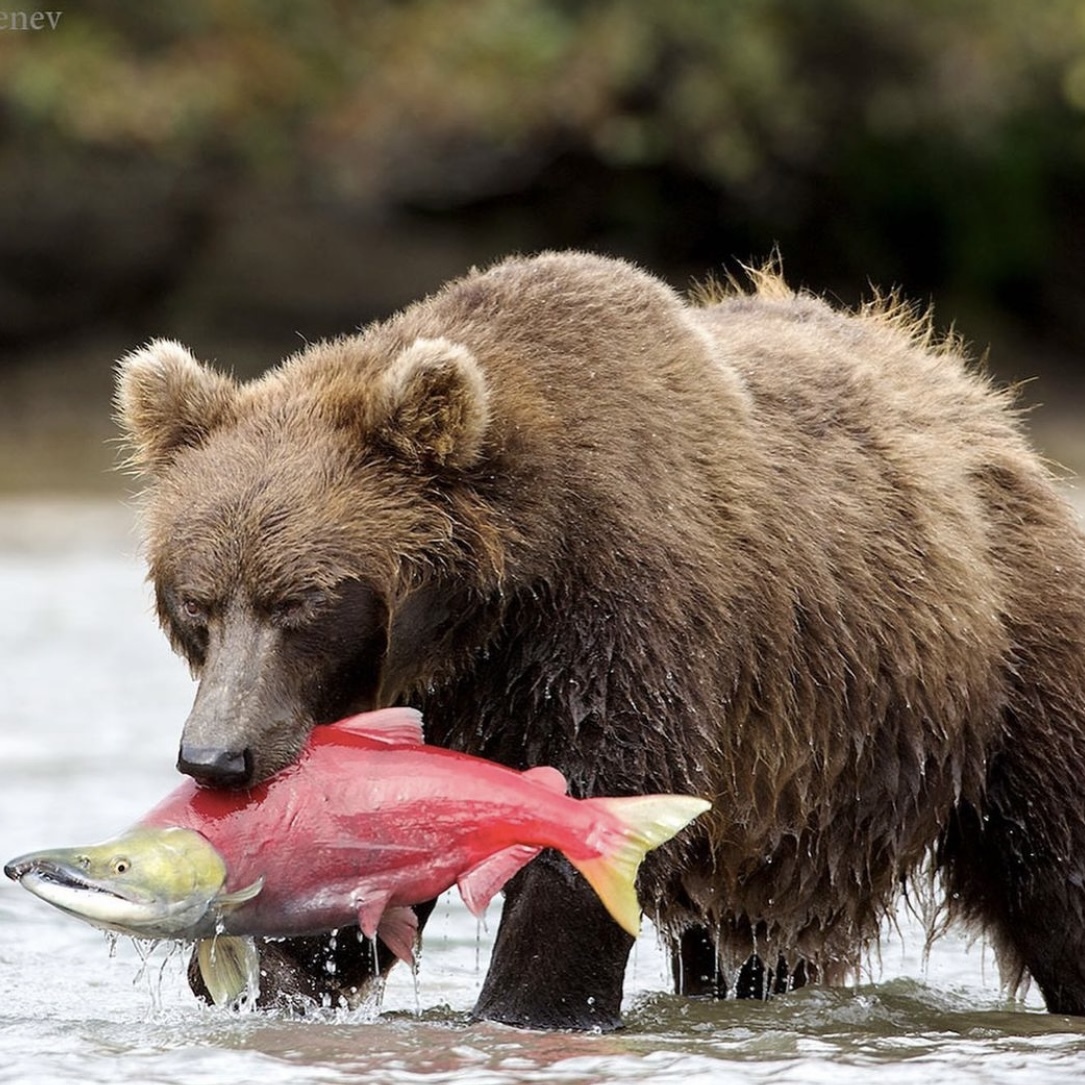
[644,822]
[230,967]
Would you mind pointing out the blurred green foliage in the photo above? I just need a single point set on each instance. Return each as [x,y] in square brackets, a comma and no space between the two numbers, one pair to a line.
[735,89]
[732,87]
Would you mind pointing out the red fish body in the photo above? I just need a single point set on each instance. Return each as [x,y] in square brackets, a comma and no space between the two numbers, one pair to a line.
[370,821]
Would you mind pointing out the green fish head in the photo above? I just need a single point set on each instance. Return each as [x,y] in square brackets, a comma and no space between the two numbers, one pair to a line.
[148,882]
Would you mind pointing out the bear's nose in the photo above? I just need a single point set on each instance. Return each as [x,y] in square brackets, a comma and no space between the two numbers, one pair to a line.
[215,766]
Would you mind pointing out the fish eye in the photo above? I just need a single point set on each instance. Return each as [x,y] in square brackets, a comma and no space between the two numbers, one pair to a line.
[121,865]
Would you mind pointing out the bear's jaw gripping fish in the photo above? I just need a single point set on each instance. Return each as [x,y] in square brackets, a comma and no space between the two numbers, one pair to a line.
[368,822]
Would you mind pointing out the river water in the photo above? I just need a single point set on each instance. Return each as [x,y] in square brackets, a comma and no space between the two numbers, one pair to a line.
[92,703]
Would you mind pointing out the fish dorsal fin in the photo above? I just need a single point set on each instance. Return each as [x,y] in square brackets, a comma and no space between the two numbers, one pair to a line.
[228,901]
[547,777]
[482,881]
[394,726]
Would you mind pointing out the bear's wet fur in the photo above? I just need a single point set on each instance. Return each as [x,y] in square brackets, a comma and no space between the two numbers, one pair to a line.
[800,561]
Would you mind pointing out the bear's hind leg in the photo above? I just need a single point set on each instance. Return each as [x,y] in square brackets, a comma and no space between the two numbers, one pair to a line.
[756,981]
[1017,868]
[695,964]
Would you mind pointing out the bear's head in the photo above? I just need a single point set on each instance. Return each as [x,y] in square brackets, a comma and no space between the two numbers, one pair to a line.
[314,537]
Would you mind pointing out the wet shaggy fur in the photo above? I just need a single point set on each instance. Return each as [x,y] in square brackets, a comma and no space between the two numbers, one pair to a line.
[800,561]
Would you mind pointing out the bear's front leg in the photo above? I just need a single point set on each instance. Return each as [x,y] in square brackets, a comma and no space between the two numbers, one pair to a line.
[559,958]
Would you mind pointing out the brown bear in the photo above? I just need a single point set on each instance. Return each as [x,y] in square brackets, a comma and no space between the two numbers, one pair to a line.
[799,561]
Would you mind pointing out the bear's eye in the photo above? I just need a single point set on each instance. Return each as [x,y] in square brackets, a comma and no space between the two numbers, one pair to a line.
[293,612]
[193,612]
[193,609]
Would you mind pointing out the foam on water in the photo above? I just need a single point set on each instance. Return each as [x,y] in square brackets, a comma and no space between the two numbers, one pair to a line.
[93,702]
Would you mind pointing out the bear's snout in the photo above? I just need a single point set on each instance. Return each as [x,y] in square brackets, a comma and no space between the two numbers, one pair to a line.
[215,766]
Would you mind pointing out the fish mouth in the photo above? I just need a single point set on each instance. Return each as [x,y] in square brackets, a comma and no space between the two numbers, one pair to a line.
[17,868]
[41,873]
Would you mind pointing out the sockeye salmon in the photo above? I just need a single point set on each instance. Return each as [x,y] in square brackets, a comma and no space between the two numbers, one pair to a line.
[367,822]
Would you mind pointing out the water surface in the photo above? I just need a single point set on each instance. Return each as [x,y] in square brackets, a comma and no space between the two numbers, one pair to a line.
[89,721]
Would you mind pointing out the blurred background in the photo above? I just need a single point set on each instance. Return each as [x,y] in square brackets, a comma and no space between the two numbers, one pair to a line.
[249,175]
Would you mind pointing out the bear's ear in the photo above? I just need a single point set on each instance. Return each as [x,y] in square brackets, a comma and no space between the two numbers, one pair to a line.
[166,400]
[431,405]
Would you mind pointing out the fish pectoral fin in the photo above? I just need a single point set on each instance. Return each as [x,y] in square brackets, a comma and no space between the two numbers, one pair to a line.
[398,930]
[230,967]
[479,884]
[226,902]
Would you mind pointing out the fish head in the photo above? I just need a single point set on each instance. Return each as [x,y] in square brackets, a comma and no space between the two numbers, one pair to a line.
[149,882]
